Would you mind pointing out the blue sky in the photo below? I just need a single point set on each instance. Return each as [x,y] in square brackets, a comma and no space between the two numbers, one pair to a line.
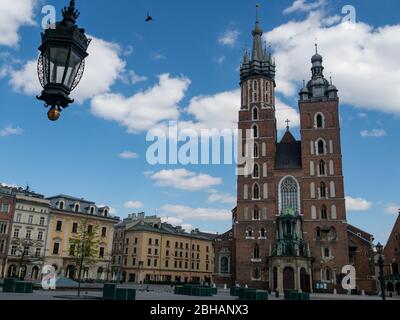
[184,66]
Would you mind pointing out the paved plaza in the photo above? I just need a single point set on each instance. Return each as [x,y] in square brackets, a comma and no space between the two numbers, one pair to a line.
[160,293]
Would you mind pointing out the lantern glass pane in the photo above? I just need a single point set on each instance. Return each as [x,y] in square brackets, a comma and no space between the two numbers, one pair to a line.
[58,60]
[72,70]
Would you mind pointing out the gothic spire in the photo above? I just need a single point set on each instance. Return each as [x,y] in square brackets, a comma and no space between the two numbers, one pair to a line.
[257,53]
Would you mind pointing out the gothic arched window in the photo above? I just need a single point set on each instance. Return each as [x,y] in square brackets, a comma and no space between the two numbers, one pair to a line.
[322,190]
[255,131]
[321,147]
[255,113]
[256,215]
[324,212]
[256,171]
[256,252]
[256,191]
[289,194]
[249,233]
[322,170]
[262,233]
[256,152]
[319,121]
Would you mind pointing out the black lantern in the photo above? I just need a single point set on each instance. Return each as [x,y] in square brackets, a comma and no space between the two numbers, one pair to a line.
[379,248]
[62,61]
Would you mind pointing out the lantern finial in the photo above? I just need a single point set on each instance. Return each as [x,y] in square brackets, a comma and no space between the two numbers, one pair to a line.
[69,13]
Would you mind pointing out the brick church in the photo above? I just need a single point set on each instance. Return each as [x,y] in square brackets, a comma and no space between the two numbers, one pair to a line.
[289,226]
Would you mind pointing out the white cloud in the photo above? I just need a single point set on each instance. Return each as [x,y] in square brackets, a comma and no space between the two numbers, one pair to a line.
[128,155]
[375,133]
[144,109]
[392,208]
[135,78]
[183,179]
[229,38]
[303,6]
[221,111]
[97,78]
[14,15]
[216,196]
[202,214]
[158,56]
[357,204]
[354,53]
[133,205]
[10,131]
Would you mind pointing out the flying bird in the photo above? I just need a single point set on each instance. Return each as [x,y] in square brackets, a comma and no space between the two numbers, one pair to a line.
[149,18]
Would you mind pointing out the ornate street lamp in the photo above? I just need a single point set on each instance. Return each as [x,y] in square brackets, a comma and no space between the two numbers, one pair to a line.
[62,61]
[379,250]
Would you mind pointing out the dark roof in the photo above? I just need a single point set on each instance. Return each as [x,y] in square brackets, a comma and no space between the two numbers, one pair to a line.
[288,155]
[166,228]
[66,197]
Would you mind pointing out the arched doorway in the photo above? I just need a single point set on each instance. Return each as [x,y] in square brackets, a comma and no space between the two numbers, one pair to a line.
[12,271]
[70,272]
[304,280]
[288,278]
[35,273]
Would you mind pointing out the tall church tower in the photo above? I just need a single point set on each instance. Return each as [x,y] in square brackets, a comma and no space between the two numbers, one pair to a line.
[257,115]
[323,197]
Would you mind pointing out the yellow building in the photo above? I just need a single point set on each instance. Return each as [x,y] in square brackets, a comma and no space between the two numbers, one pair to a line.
[66,214]
[158,252]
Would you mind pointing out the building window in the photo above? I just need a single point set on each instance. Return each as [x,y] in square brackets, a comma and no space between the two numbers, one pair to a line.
[327,252]
[256,154]
[328,274]
[3,227]
[41,221]
[321,147]
[91,210]
[289,195]
[256,252]
[74,227]
[56,248]
[28,234]
[150,242]
[149,251]
[167,264]
[61,205]
[167,243]
[72,250]
[263,233]
[255,131]
[324,212]
[319,121]
[59,226]
[224,265]
[101,253]
[90,229]
[134,262]
[322,168]
[104,233]
[16,234]
[77,207]
[156,242]
[18,218]
[255,113]
[256,171]
[249,233]
[5,208]
[155,262]
[40,235]
[149,262]
[2,246]
[14,250]
[256,215]
[256,192]
[256,274]
[322,190]
[318,232]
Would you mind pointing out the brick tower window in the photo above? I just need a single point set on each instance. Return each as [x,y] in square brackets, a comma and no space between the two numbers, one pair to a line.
[319,121]
[255,131]
[322,190]
[289,194]
[324,212]
[256,172]
[322,168]
[321,147]
[256,192]
[255,113]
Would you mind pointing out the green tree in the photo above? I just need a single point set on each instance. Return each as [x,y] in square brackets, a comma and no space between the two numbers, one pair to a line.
[85,247]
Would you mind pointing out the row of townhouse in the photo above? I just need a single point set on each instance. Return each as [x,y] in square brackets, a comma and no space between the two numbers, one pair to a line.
[37,231]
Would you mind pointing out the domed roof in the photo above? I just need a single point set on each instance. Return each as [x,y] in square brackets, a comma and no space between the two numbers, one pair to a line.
[332,88]
[316,57]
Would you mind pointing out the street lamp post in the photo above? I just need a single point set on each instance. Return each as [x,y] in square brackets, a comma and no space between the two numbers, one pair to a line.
[379,249]
[62,61]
